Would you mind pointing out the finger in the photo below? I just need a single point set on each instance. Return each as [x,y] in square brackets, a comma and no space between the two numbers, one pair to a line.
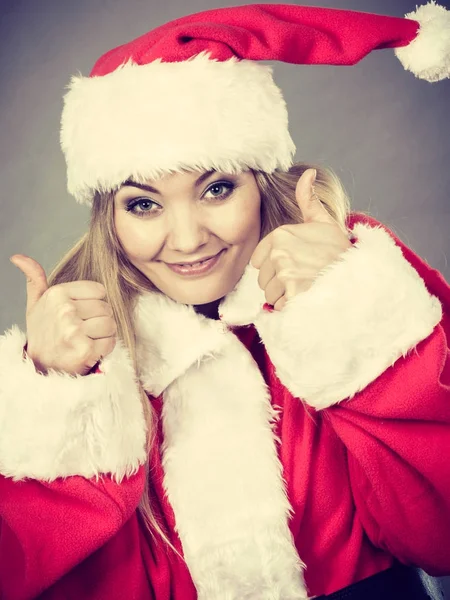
[280,303]
[88,309]
[274,290]
[37,283]
[266,273]
[261,252]
[311,207]
[83,290]
[100,349]
[99,327]
[103,347]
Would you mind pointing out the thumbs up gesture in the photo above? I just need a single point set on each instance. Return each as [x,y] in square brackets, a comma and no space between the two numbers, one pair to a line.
[290,257]
[69,327]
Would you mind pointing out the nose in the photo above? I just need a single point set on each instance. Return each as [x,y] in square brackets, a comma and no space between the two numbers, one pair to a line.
[186,233]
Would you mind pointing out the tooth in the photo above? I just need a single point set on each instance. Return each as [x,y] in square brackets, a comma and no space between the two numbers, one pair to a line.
[193,264]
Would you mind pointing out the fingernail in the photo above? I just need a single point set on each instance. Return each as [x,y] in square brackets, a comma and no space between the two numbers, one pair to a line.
[314,176]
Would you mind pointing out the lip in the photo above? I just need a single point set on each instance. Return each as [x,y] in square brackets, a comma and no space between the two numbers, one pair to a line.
[206,266]
[195,261]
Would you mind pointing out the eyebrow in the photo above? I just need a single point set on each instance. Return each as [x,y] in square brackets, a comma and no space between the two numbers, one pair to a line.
[149,188]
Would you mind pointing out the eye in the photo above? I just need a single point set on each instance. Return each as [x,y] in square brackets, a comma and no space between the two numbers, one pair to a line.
[131,206]
[221,189]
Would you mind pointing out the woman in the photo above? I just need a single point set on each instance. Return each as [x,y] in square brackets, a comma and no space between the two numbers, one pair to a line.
[271,423]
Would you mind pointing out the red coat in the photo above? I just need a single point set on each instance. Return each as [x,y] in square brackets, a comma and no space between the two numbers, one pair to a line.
[368,479]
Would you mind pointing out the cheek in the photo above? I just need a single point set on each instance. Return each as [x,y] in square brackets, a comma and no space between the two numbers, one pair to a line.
[243,224]
[136,238]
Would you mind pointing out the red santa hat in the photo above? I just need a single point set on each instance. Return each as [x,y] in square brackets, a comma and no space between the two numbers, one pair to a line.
[191,94]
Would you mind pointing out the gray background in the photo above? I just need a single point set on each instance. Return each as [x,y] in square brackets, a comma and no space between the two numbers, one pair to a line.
[384,132]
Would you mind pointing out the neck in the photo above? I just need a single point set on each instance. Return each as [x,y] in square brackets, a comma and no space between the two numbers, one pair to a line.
[210,310]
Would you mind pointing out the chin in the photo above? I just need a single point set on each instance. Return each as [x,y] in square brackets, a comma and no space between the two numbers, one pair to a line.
[202,292]
[197,299]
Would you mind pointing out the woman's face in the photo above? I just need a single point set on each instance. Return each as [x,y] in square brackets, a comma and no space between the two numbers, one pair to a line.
[184,218]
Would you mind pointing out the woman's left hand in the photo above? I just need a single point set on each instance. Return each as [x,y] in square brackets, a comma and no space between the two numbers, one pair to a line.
[290,257]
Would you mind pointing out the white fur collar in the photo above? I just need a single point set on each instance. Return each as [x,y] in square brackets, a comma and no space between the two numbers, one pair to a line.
[171,336]
[223,476]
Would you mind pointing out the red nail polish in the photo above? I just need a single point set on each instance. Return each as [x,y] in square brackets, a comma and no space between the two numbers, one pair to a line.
[268,307]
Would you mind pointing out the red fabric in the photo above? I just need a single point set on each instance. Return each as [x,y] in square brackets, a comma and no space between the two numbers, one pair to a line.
[283,32]
[368,479]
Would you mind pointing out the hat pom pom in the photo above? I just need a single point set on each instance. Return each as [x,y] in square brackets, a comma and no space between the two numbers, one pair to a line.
[428,55]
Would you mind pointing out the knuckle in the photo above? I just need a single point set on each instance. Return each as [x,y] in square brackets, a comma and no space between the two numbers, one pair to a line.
[108,309]
[55,293]
[279,233]
[273,254]
[66,308]
[277,254]
[70,333]
[101,288]
[106,346]
[275,236]
[84,349]
[287,274]
[111,327]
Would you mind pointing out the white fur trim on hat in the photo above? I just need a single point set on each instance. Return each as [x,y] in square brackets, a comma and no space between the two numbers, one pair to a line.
[141,121]
[428,55]
[57,425]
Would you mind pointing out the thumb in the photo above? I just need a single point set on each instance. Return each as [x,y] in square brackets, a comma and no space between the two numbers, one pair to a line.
[311,207]
[36,278]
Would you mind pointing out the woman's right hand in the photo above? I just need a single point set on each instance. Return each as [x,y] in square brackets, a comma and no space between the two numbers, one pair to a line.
[69,327]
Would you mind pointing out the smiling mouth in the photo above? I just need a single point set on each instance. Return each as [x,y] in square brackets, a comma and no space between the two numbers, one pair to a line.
[202,267]
[194,264]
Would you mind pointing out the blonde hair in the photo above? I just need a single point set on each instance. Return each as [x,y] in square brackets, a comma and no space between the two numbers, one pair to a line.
[99,256]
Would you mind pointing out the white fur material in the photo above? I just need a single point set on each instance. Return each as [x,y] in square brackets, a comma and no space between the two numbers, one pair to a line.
[224,481]
[428,55]
[362,313]
[170,337]
[245,302]
[57,425]
[223,476]
[197,114]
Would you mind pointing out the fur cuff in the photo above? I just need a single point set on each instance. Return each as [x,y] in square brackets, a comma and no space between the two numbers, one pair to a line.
[58,425]
[362,314]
